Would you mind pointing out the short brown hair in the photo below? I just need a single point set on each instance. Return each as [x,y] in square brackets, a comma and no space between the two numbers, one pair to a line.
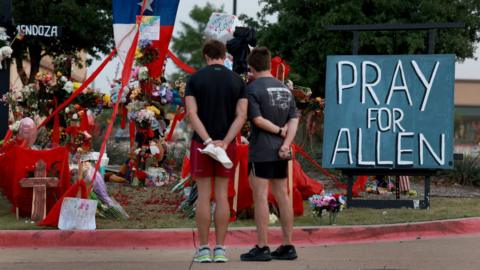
[214,49]
[260,59]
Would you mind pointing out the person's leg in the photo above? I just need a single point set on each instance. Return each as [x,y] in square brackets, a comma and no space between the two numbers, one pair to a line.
[260,198]
[201,169]
[259,183]
[222,209]
[280,192]
[202,214]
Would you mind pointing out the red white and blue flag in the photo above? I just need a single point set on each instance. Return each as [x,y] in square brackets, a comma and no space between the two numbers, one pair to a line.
[125,14]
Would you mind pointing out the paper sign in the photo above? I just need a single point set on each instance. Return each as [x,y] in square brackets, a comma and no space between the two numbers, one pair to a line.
[77,214]
[149,27]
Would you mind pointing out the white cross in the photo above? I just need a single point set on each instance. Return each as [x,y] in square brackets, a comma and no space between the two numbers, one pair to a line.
[148,5]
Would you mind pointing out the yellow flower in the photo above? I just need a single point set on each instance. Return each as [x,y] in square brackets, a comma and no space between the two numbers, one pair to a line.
[76,85]
[153,109]
[59,74]
[106,99]
[138,53]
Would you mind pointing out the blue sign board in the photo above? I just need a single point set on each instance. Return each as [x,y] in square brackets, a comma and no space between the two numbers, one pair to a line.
[389,111]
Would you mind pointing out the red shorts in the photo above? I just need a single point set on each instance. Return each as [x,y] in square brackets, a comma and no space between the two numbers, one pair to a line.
[202,165]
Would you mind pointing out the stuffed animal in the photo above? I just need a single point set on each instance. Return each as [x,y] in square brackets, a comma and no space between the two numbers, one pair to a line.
[5,52]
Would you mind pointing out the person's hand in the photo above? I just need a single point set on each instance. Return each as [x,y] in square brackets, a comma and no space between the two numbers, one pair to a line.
[284,131]
[284,152]
[221,144]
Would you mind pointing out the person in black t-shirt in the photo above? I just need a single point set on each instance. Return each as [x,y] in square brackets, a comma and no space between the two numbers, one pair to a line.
[272,111]
[216,104]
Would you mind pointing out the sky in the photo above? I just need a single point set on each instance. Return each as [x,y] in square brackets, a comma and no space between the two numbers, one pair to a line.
[469,69]
[248,7]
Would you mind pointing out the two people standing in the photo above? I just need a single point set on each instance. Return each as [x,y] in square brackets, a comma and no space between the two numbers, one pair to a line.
[217,102]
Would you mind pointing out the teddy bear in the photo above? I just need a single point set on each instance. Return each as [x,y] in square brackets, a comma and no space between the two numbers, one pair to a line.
[5,52]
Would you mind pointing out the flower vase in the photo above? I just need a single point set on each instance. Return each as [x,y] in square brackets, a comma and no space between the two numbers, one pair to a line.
[317,219]
[332,217]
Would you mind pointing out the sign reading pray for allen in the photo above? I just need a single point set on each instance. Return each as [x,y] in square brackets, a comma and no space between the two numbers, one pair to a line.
[389,112]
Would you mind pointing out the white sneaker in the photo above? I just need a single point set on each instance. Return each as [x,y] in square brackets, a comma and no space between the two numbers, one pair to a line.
[218,154]
[203,255]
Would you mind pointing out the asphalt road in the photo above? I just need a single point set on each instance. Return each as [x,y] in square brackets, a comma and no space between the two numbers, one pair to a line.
[460,253]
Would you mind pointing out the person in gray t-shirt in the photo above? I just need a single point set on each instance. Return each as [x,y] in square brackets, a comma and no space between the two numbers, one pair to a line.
[274,122]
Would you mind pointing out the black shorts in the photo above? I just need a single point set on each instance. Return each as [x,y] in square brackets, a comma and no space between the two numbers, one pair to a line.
[269,169]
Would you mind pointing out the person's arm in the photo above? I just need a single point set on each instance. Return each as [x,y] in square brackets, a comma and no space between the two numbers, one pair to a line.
[238,122]
[292,124]
[268,126]
[192,109]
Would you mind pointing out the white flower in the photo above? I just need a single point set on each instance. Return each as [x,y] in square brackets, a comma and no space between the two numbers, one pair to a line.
[14,127]
[143,73]
[272,219]
[75,116]
[67,110]
[68,87]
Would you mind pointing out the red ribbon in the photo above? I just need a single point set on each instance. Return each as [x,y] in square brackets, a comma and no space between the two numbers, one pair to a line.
[298,150]
[123,123]
[77,92]
[126,73]
[182,65]
[179,115]
[56,128]
[131,129]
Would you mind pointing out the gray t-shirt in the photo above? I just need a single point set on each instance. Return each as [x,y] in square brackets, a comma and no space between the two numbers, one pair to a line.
[271,99]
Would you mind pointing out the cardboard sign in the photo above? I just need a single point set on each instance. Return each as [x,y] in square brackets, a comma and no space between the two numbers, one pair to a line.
[221,26]
[392,111]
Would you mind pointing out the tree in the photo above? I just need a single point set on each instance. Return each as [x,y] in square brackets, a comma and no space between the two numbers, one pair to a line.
[300,38]
[188,45]
[86,26]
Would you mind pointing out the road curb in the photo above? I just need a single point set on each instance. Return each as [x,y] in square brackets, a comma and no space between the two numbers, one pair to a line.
[237,237]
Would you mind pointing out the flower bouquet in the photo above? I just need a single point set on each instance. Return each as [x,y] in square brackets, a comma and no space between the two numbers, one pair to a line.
[331,203]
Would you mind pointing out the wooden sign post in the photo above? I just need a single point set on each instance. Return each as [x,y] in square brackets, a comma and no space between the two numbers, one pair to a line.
[39,183]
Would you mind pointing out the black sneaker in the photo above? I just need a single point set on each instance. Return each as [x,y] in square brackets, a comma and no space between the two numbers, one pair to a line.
[257,254]
[285,252]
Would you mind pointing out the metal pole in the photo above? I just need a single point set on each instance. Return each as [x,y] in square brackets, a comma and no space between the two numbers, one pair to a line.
[350,189]
[355,42]
[431,41]
[234,7]
[5,21]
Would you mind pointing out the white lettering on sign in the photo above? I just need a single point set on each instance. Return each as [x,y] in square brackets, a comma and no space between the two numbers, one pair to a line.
[369,86]
[402,87]
[440,160]
[341,85]
[348,149]
[428,84]
[359,152]
[38,30]
[401,150]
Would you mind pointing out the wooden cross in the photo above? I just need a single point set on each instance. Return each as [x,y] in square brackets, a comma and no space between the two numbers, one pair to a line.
[39,183]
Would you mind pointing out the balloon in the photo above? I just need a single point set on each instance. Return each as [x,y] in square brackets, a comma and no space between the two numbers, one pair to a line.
[27,131]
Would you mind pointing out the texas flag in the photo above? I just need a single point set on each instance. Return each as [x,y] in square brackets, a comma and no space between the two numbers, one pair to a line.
[125,14]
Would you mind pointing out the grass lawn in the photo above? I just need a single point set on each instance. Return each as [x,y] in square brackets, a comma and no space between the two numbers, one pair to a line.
[152,215]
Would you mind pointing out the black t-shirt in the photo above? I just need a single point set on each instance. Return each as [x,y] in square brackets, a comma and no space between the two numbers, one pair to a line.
[217,91]
[270,99]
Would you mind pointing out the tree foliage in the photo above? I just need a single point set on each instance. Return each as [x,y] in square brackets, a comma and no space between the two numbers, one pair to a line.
[86,26]
[300,38]
[188,44]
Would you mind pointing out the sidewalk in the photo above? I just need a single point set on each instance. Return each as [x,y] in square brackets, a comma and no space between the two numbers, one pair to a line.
[425,254]
[237,237]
